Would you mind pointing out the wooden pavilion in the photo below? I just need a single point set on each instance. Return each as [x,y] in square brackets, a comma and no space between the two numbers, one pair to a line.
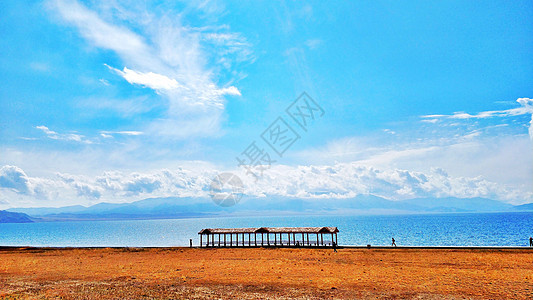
[269,237]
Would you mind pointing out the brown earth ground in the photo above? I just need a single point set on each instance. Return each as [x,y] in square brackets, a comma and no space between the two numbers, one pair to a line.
[261,273]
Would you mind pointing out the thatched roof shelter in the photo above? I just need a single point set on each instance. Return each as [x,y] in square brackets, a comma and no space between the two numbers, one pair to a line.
[270,230]
[281,236]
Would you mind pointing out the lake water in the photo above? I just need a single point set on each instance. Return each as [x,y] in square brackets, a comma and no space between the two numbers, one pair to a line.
[489,229]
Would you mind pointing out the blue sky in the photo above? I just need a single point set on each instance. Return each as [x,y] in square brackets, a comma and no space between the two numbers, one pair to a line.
[117,101]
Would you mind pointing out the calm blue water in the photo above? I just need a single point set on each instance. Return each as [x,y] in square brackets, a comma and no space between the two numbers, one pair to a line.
[491,229]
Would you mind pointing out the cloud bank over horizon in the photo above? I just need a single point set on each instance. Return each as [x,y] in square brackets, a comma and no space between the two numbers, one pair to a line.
[339,181]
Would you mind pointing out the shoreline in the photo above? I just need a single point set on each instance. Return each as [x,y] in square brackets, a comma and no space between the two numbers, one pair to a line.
[3,248]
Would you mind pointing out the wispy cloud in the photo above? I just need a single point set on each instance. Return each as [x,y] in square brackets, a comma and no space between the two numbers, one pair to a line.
[124,107]
[526,108]
[167,57]
[313,43]
[72,137]
[229,46]
[100,33]
[109,134]
[63,136]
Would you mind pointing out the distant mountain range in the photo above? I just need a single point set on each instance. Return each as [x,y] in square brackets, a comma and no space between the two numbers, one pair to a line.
[172,208]
[14,217]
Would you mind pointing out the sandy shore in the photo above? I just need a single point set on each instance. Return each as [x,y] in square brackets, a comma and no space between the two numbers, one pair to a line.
[107,273]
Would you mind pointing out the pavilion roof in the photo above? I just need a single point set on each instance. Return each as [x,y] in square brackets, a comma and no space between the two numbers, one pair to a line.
[270,230]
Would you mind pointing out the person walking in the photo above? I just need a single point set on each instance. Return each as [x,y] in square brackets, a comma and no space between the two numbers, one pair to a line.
[530,241]
[393,243]
[334,246]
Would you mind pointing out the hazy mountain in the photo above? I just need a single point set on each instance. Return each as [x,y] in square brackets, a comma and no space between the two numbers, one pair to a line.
[172,207]
[527,207]
[452,204]
[14,217]
[152,208]
[39,211]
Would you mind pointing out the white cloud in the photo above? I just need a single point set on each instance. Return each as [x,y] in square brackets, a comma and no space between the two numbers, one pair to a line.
[63,136]
[313,43]
[341,180]
[229,45]
[14,178]
[72,137]
[164,55]
[100,33]
[345,180]
[151,80]
[499,153]
[104,82]
[526,108]
[82,188]
[14,182]
[108,134]
[229,91]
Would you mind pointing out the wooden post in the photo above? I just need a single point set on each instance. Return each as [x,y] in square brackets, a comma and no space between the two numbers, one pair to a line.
[303,239]
[289,238]
[275,239]
[224,240]
[336,241]
[243,239]
[268,238]
[308,244]
[237,239]
[317,239]
[249,239]
[262,237]
[332,241]
[231,239]
[201,239]
[255,238]
[322,239]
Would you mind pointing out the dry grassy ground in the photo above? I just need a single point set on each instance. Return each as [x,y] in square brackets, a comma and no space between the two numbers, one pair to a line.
[266,273]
